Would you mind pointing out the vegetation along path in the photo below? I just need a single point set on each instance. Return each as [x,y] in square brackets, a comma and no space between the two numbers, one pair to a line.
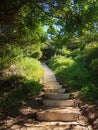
[61,111]
[58,111]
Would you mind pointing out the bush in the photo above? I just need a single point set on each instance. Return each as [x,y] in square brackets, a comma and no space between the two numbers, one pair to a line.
[91,52]
[30,68]
[13,98]
[24,84]
[69,71]
[8,54]
[89,92]
[86,56]
[37,54]
[78,68]
[94,67]
[64,52]
[48,52]
[12,82]
[77,75]
[57,63]
[32,88]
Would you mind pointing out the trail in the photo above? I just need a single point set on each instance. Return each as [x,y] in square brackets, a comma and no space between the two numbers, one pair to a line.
[59,110]
[62,112]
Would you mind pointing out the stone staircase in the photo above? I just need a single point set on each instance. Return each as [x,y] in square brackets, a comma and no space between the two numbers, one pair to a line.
[61,112]
[54,109]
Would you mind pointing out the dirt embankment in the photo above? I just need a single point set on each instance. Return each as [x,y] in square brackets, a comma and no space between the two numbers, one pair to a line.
[91,111]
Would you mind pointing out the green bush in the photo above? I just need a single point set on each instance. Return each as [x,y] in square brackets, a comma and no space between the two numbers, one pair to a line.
[12,82]
[24,82]
[37,54]
[91,52]
[32,88]
[48,52]
[94,67]
[78,68]
[63,51]
[69,71]
[57,63]
[89,92]
[8,54]
[15,96]
[30,68]
[86,56]
[75,75]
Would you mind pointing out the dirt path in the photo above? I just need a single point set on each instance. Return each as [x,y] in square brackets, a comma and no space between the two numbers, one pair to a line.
[55,110]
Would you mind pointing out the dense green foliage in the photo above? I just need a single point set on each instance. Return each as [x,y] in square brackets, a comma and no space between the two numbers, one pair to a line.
[69,71]
[22,80]
[71,37]
[30,68]
[79,71]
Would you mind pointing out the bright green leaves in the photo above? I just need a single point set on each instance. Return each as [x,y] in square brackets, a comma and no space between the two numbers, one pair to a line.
[30,69]
[8,54]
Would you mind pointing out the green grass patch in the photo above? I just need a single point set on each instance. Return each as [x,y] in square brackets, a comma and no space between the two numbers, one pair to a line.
[30,68]
[25,81]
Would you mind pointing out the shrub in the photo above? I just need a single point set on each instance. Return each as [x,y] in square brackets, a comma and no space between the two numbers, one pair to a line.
[30,68]
[24,84]
[89,92]
[37,54]
[17,95]
[58,63]
[80,67]
[48,52]
[32,88]
[12,82]
[75,75]
[91,52]
[64,52]
[8,54]
[94,67]
[69,71]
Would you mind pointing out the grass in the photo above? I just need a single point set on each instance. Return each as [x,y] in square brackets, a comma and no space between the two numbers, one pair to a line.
[30,68]
[25,81]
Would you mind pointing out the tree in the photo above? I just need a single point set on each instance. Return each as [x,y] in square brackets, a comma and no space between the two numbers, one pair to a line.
[22,21]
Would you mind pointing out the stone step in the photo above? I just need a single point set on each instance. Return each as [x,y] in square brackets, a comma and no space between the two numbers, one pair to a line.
[65,127]
[57,96]
[59,103]
[56,86]
[50,81]
[53,90]
[58,114]
[52,126]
